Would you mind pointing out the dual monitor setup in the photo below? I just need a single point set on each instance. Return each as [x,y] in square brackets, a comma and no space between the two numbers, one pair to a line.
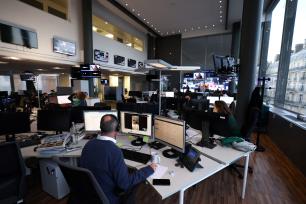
[167,131]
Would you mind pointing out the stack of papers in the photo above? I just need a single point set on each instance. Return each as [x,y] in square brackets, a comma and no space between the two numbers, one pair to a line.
[159,172]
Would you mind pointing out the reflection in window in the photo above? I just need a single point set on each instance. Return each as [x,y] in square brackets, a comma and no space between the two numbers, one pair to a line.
[108,30]
[275,40]
[297,68]
[57,8]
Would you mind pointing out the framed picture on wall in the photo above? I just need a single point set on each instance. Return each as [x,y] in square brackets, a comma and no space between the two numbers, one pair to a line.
[101,56]
[132,63]
[119,60]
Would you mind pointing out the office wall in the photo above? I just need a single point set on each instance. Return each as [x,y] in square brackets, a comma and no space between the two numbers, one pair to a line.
[47,26]
[198,51]
[64,80]
[115,47]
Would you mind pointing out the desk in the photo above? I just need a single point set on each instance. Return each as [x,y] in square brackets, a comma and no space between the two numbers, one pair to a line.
[182,178]
[223,155]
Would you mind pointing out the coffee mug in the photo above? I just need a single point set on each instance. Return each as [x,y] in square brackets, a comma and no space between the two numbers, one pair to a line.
[155,158]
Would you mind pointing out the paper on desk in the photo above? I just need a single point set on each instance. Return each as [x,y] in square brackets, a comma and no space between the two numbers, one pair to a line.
[192,132]
[159,172]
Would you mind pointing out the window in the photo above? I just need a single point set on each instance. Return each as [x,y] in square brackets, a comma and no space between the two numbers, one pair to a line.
[108,30]
[57,8]
[277,22]
[5,83]
[297,67]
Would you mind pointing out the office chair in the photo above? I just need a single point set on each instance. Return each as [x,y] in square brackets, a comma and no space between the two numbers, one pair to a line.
[12,174]
[131,100]
[84,187]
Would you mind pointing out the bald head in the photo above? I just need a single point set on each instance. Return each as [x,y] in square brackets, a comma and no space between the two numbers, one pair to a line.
[109,124]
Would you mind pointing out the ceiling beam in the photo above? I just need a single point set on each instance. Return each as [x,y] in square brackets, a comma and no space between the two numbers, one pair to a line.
[128,13]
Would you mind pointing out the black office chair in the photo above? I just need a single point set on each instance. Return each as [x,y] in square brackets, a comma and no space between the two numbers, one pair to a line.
[12,174]
[84,187]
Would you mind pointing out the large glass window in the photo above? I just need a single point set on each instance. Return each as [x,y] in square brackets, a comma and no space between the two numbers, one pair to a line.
[58,8]
[5,83]
[296,85]
[277,22]
[108,30]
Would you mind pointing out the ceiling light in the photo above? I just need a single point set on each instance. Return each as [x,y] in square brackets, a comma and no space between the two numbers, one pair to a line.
[185,29]
[40,69]
[94,28]
[133,10]
[159,31]
[213,25]
[57,68]
[192,28]
[106,22]
[126,4]
[108,35]
[221,12]
[11,58]
[148,22]
[206,26]
[167,33]
[129,44]
[144,19]
[138,14]
[62,73]
[220,20]
[220,6]
[158,63]
[3,62]
[199,27]
[152,25]
[220,16]
[220,2]
[179,31]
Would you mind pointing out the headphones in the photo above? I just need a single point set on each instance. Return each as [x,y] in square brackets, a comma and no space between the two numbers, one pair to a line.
[105,127]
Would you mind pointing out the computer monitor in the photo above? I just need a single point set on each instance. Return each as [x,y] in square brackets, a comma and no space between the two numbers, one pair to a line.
[92,119]
[14,122]
[135,93]
[169,94]
[227,99]
[136,123]
[54,120]
[212,99]
[170,132]
[63,99]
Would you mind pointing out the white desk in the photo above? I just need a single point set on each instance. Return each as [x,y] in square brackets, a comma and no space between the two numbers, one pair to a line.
[182,178]
[223,155]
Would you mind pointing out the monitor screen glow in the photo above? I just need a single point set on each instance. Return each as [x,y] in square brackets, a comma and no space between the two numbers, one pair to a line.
[63,99]
[92,119]
[170,132]
[136,123]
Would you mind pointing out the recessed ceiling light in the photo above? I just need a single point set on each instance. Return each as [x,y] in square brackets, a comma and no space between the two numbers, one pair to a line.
[213,25]
[152,25]
[40,69]
[62,73]
[220,2]
[220,16]
[185,29]
[57,68]
[167,33]
[192,28]
[199,27]
[138,14]
[106,22]
[133,10]
[220,6]
[11,58]
[221,12]
[206,26]
[158,31]
[154,28]
[3,62]
[129,44]
[220,20]
[144,19]
[148,22]
[126,4]
[179,31]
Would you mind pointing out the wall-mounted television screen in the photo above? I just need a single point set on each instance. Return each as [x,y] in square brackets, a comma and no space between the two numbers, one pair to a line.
[119,60]
[198,76]
[27,77]
[132,63]
[64,47]
[18,36]
[101,56]
[105,82]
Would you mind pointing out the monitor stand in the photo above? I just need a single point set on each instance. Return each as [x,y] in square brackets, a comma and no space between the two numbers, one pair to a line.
[156,145]
[171,153]
[138,142]
[206,141]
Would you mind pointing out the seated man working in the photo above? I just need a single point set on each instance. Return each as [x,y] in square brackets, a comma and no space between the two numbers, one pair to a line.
[105,160]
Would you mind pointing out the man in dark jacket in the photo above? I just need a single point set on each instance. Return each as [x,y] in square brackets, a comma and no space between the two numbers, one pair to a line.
[105,160]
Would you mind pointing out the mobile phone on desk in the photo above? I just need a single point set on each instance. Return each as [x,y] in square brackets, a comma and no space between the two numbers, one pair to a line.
[161,182]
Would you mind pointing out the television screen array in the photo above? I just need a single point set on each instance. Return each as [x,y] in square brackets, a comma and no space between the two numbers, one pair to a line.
[86,71]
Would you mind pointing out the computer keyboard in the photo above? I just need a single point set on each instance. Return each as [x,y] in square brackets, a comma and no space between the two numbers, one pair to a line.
[136,156]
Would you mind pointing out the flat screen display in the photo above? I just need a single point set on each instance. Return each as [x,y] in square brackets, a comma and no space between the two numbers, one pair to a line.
[104,81]
[132,63]
[119,60]
[63,99]
[198,76]
[92,119]
[101,56]
[27,77]
[135,123]
[64,47]
[18,36]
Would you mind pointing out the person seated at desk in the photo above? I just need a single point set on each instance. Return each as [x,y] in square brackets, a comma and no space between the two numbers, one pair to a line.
[78,99]
[187,102]
[155,97]
[221,107]
[105,160]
